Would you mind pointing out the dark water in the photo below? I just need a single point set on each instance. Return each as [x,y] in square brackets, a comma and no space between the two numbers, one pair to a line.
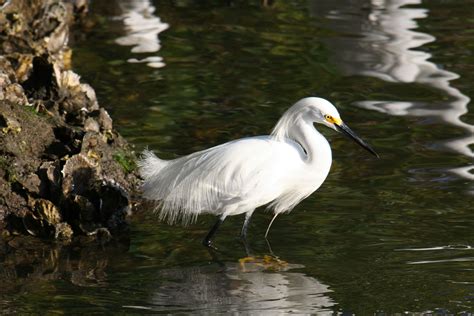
[391,235]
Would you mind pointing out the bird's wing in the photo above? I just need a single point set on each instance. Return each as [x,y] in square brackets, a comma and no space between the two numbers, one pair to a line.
[209,179]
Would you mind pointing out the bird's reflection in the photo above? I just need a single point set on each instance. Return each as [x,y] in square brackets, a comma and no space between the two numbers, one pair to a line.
[258,285]
[261,285]
[142,27]
[385,47]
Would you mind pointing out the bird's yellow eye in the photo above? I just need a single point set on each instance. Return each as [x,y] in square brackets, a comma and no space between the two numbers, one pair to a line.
[332,120]
[329,118]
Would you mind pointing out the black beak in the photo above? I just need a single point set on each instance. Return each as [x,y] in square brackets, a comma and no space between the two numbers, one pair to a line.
[343,128]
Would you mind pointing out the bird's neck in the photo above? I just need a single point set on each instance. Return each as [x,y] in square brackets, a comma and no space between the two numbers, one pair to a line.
[318,151]
[294,126]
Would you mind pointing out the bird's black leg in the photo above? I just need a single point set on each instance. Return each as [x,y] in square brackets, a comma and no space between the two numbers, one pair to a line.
[207,240]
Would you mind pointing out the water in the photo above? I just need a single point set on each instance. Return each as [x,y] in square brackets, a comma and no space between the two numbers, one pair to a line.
[381,236]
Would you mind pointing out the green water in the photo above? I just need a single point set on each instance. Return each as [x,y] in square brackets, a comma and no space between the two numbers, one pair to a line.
[388,235]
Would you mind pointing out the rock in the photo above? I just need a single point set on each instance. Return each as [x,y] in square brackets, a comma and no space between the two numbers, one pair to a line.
[78,173]
[87,211]
[63,231]
[64,171]
[15,94]
[115,205]
[31,183]
[42,220]
[50,176]
[102,234]
[47,211]
[9,91]
[9,124]
[105,120]
[41,83]
[91,125]
[75,97]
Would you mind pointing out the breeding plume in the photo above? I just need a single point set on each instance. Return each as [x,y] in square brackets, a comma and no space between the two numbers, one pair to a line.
[278,170]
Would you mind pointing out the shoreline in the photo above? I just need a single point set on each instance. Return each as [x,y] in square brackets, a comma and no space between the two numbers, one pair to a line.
[64,170]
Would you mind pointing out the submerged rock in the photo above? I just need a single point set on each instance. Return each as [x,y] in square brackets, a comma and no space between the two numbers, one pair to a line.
[64,170]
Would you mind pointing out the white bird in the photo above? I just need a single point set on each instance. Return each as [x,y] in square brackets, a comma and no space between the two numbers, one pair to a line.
[280,170]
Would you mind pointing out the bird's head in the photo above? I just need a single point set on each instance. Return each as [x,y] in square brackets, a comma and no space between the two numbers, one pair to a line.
[322,111]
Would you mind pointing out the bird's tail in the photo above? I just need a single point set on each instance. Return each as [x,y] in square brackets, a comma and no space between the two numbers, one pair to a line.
[150,165]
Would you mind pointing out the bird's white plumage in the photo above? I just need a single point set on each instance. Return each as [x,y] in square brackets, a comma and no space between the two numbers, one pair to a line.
[280,169]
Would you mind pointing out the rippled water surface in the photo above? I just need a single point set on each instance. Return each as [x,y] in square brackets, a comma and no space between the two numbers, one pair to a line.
[394,234]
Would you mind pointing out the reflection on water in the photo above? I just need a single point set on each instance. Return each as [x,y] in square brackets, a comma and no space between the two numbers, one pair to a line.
[142,27]
[384,47]
[378,236]
[259,286]
[239,287]
[32,271]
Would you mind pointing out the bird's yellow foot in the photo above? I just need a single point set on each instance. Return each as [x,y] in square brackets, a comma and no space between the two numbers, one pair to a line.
[268,263]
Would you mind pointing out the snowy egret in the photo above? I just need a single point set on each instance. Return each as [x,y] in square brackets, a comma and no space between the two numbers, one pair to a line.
[280,170]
